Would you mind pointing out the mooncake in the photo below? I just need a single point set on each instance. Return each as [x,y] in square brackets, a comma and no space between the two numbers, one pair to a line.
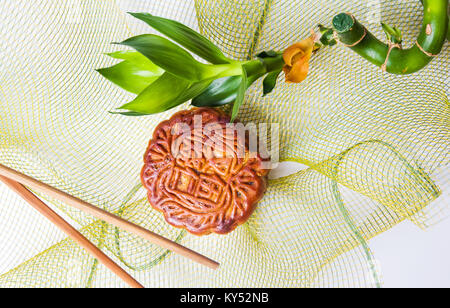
[199,172]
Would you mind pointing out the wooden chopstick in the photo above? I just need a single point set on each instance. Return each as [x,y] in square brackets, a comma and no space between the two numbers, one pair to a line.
[73,233]
[106,216]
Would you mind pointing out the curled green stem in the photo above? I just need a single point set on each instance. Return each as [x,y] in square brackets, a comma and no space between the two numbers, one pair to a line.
[392,57]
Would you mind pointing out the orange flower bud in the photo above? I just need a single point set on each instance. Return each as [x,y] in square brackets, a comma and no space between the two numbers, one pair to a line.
[297,59]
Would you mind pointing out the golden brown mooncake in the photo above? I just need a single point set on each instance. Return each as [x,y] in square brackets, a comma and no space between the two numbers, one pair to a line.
[202,177]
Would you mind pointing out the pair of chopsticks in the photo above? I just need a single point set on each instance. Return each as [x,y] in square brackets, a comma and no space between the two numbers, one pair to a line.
[17,182]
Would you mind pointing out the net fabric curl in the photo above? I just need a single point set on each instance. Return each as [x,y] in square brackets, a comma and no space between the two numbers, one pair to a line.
[376,146]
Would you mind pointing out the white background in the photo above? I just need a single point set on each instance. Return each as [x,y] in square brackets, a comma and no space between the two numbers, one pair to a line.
[411,257]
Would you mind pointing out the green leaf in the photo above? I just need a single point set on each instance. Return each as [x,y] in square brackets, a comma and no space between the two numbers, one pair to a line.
[240,95]
[270,82]
[327,38]
[186,37]
[159,96]
[177,61]
[128,113]
[167,92]
[221,92]
[194,90]
[393,34]
[167,55]
[129,55]
[134,74]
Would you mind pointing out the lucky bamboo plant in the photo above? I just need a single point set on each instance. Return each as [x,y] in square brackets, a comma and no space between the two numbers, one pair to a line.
[391,57]
[164,74]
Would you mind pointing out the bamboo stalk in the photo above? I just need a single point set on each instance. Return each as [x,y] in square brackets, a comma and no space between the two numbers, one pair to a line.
[107,217]
[392,57]
[73,233]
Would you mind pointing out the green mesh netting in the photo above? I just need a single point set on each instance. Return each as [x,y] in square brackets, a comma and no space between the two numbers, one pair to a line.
[377,146]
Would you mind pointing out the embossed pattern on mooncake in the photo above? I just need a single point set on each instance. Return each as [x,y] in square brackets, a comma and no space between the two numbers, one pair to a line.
[202,177]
